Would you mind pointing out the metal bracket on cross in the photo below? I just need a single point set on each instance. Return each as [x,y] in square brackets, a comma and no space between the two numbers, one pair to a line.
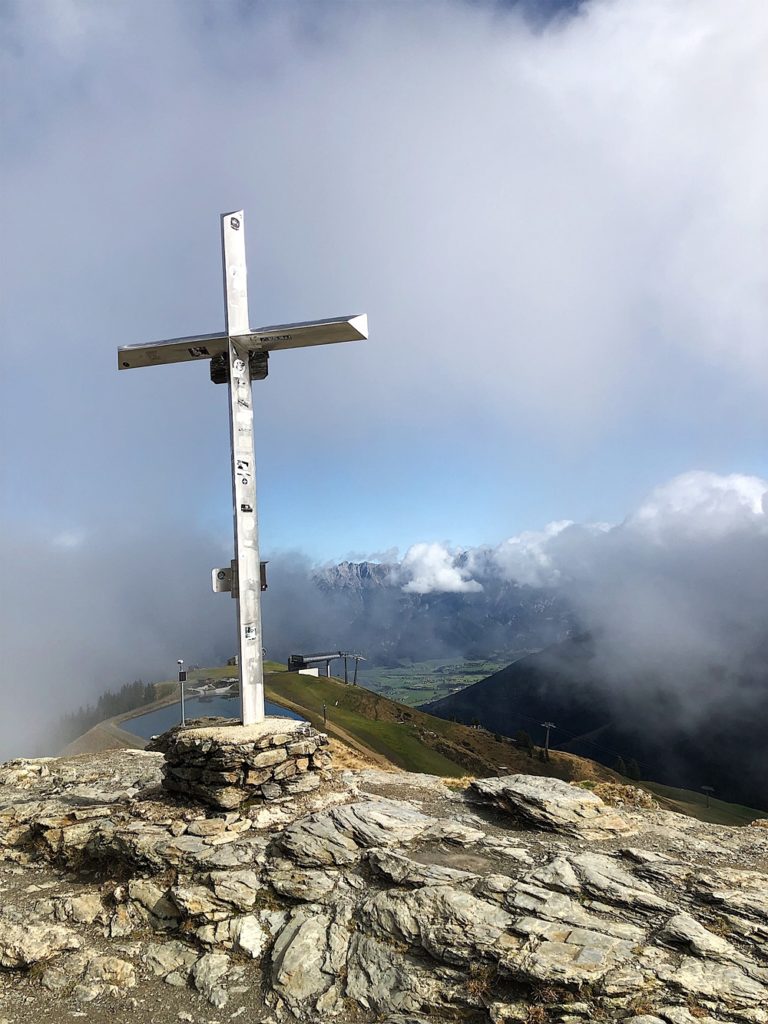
[237,357]
[224,581]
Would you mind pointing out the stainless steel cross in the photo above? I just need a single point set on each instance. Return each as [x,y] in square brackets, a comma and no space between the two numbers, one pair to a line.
[237,357]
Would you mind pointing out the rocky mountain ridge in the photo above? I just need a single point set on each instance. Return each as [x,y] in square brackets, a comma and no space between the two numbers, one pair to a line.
[367,609]
[357,576]
[378,896]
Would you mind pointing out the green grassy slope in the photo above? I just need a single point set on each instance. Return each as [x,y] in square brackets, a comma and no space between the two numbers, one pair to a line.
[695,804]
[414,740]
[418,742]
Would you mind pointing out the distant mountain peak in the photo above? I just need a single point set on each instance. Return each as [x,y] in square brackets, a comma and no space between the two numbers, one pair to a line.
[355,575]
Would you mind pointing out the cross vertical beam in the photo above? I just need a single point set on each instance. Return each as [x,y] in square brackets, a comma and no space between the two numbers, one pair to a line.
[237,356]
[248,575]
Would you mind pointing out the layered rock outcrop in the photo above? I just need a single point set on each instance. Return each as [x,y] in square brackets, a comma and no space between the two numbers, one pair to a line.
[375,896]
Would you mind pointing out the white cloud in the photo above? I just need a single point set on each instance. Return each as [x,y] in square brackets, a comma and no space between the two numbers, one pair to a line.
[68,538]
[526,558]
[550,222]
[702,503]
[675,595]
[432,568]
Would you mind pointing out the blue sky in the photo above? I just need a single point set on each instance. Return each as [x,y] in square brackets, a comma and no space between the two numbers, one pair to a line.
[545,250]
[556,225]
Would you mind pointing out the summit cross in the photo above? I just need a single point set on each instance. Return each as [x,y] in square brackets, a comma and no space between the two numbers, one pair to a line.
[237,357]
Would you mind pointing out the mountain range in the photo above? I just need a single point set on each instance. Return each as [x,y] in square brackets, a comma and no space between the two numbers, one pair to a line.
[371,612]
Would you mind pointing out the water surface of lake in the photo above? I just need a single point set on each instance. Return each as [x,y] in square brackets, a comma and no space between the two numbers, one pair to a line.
[155,722]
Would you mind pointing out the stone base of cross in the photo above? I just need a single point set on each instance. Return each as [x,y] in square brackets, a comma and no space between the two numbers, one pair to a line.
[238,357]
[225,766]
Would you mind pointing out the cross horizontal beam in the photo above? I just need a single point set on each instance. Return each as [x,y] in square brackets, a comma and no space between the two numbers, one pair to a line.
[263,339]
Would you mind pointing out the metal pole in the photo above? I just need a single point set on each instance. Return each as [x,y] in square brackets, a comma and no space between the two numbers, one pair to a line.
[346,677]
[325,714]
[547,726]
[247,560]
[182,680]
[354,677]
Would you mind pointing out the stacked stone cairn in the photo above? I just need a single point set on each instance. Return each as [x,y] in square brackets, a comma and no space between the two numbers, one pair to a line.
[226,765]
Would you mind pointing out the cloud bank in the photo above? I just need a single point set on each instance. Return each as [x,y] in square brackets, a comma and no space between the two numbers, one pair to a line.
[557,231]
[675,595]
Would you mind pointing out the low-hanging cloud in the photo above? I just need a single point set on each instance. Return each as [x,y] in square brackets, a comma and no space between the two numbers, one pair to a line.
[430,568]
[86,611]
[675,596]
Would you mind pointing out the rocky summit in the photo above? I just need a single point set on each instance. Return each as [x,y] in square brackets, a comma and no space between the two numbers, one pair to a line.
[373,897]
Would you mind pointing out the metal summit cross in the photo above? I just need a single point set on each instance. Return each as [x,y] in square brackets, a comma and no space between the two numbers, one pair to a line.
[237,357]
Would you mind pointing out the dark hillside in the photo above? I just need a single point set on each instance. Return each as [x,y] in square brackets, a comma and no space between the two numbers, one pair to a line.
[724,748]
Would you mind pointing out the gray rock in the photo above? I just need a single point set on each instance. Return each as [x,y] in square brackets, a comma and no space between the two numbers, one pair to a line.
[252,933]
[299,957]
[680,1015]
[456,833]
[206,827]
[685,931]
[56,979]
[123,922]
[24,944]
[312,885]
[413,785]
[304,783]
[723,983]
[607,880]
[250,936]
[550,804]
[453,926]
[382,979]
[414,917]
[239,887]
[510,1013]
[216,933]
[569,956]
[335,836]
[247,851]
[555,907]
[209,975]
[154,900]
[163,958]
[735,891]
[197,901]
[110,971]
[86,991]
[404,871]
[83,909]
